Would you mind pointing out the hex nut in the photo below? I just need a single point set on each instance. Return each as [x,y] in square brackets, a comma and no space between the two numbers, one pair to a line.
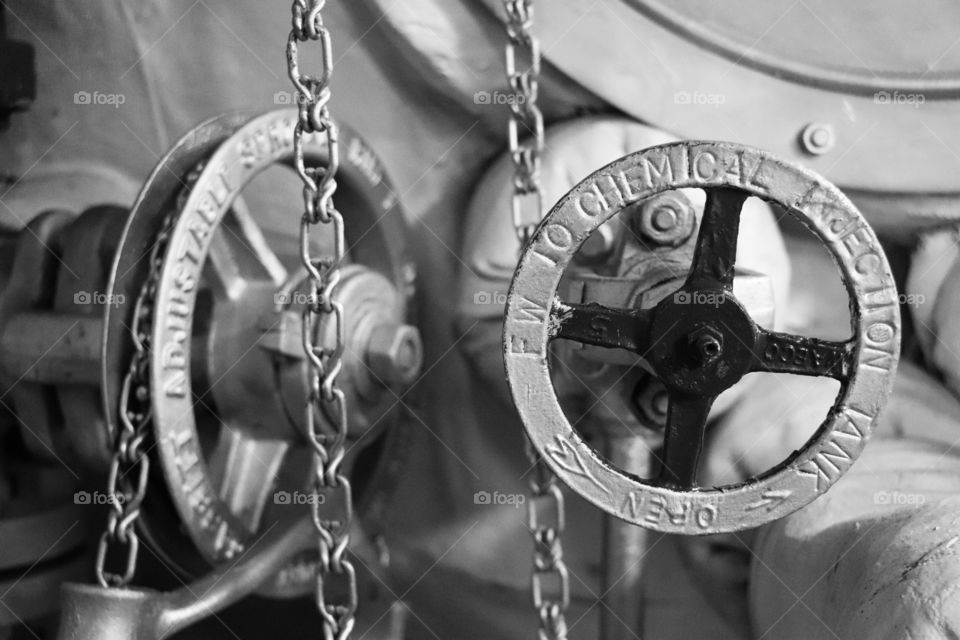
[395,353]
[666,219]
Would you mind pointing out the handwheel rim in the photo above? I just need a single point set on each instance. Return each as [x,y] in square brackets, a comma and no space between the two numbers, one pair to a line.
[130,266]
[838,441]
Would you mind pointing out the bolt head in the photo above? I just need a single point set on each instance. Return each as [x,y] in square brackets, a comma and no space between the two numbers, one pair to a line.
[666,219]
[395,353]
[817,138]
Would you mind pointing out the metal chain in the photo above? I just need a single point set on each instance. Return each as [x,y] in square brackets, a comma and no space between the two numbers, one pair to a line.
[550,583]
[526,120]
[130,467]
[313,97]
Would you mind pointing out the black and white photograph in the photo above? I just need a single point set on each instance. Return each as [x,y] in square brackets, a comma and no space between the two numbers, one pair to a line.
[479,320]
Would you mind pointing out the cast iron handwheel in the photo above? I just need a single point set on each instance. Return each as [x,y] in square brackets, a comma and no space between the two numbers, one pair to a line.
[700,341]
[213,503]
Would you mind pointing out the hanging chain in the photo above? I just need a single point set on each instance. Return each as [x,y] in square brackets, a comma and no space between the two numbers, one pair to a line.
[313,98]
[130,466]
[550,584]
[525,117]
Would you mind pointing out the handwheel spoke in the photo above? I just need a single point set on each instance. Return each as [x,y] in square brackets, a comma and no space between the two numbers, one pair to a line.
[786,353]
[241,468]
[600,326]
[716,250]
[683,438]
[240,254]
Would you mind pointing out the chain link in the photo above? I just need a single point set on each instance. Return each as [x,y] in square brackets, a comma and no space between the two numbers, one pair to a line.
[549,580]
[130,466]
[319,186]
[525,129]
[550,583]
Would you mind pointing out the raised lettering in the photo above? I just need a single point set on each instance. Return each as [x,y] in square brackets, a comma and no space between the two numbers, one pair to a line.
[769,500]
[755,178]
[631,506]
[656,510]
[827,465]
[173,356]
[707,515]
[529,310]
[589,204]
[704,167]
[878,352]
[568,456]
[175,386]
[520,346]
[658,174]
[627,191]
[558,235]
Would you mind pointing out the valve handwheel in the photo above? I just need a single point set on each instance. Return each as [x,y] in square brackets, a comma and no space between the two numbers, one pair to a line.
[700,340]
[228,380]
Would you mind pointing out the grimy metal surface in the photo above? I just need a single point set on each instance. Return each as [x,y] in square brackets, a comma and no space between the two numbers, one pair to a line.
[865,364]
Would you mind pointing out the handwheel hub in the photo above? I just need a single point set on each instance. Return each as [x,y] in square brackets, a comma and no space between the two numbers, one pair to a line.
[702,341]
[267,386]
[381,352]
